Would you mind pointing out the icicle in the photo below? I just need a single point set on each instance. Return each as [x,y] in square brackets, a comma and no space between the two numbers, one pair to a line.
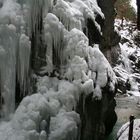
[37,9]
[8,42]
[68,15]
[2,72]
[24,59]
[54,37]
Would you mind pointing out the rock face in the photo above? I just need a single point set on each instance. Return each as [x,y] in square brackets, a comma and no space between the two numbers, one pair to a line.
[110,39]
[108,25]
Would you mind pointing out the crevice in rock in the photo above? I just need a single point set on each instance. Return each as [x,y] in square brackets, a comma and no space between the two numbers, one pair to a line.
[92,32]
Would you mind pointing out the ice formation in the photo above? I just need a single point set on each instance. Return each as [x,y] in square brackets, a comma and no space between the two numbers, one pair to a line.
[50,113]
[8,67]
[54,34]
[51,108]
[74,13]
[12,45]
[23,60]
[37,10]
[133,4]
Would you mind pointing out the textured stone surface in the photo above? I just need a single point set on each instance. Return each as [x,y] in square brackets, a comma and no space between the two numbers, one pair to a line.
[110,38]
[108,26]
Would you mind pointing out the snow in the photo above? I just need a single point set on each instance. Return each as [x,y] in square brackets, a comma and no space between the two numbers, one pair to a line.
[133,3]
[69,16]
[7,67]
[24,60]
[15,52]
[35,111]
[64,126]
[128,48]
[77,44]
[26,120]
[88,87]
[73,14]
[78,68]
[136,131]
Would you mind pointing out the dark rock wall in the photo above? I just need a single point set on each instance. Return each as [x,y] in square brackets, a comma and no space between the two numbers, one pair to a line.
[38,49]
[110,39]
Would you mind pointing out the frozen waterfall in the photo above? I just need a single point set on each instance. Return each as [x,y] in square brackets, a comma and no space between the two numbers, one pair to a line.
[71,69]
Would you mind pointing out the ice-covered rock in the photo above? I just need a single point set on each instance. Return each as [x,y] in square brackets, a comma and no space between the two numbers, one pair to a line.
[75,92]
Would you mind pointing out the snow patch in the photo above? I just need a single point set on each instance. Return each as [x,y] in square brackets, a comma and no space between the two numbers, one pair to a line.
[136,130]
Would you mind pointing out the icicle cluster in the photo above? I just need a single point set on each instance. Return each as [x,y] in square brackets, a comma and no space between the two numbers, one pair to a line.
[54,38]
[23,61]
[14,52]
[67,43]
[8,43]
[68,15]
[123,132]
[37,9]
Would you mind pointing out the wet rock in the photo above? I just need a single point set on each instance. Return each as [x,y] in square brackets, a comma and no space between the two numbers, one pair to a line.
[110,38]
